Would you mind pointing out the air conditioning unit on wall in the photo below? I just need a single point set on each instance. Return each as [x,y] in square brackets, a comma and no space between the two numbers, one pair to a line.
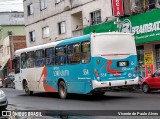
[10,33]
[157,4]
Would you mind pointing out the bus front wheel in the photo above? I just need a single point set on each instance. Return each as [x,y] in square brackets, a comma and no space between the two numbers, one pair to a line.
[62,90]
[26,89]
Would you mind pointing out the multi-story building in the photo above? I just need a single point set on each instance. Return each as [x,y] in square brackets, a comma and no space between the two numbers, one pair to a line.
[12,29]
[144,23]
[10,45]
[51,20]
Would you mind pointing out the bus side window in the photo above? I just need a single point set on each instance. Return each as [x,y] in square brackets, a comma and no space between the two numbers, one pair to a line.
[73,55]
[39,58]
[85,52]
[16,65]
[30,59]
[23,60]
[60,58]
[69,54]
[76,55]
[50,56]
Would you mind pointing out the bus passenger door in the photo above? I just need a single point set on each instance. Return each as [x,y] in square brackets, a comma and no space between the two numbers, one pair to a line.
[16,66]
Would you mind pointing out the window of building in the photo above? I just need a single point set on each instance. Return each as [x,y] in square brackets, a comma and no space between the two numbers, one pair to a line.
[43,4]
[62,27]
[140,55]
[32,36]
[39,58]
[58,1]
[30,59]
[23,60]
[157,56]
[60,55]
[151,4]
[50,56]
[85,52]
[95,17]
[45,32]
[30,9]
[73,55]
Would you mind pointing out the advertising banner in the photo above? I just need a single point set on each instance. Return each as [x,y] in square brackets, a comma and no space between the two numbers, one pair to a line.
[148,61]
[117,6]
[149,69]
[145,26]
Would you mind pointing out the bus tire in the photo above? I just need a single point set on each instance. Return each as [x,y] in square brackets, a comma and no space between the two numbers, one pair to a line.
[26,89]
[62,89]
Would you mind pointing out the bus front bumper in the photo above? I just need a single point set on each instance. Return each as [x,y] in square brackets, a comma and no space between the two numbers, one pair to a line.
[116,83]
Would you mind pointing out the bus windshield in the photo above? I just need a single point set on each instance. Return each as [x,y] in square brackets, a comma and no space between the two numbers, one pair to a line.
[114,45]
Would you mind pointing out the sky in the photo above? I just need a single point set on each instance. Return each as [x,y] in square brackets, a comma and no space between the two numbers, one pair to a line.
[11,5]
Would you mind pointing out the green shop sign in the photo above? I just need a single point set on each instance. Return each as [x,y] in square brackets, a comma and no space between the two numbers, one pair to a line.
[146,26]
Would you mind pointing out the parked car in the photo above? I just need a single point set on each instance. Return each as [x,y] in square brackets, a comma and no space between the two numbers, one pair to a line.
[8,81]
[151,82]
[1,83]
[3,100]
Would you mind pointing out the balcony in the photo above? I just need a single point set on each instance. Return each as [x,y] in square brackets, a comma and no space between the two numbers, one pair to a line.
[75,3]
[76,33]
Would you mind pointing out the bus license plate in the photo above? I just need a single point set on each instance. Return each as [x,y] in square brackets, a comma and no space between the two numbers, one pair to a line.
[123,63]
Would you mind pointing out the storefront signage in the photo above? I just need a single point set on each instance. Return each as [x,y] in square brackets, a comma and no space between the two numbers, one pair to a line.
[117,6]
[148,60]
[145,26]
[149,69]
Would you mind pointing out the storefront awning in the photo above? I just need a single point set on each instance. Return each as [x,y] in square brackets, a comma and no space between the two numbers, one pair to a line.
[4,63]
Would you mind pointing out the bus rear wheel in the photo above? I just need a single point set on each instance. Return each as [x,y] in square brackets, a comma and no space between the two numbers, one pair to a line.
[26,89]
[62,90]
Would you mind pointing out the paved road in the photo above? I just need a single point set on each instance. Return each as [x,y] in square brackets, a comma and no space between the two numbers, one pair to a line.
[110,101]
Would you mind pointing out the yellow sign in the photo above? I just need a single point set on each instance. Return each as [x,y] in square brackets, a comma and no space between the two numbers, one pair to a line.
[148,58]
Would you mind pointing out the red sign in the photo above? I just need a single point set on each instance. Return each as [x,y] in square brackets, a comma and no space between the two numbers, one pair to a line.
[149,69]
[117,6]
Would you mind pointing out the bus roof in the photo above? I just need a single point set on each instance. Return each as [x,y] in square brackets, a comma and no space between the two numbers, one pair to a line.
[66,41]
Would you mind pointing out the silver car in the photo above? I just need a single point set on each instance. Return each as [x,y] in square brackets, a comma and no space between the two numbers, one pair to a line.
[3,100]
[1,83]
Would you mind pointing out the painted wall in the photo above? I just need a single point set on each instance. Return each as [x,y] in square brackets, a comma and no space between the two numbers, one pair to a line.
[16,30]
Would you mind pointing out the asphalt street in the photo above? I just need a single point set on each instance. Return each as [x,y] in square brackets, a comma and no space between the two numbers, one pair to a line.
[121,100]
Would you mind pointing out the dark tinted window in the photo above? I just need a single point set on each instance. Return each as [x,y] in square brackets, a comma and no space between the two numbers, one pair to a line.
[60,53]
[50,56]
[39,58]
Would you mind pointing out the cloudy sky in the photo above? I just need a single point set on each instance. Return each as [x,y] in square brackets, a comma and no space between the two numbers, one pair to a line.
[11,5]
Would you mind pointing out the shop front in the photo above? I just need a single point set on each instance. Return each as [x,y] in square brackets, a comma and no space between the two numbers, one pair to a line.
[146,28]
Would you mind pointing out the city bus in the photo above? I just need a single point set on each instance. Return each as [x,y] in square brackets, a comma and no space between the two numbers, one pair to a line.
[89,64]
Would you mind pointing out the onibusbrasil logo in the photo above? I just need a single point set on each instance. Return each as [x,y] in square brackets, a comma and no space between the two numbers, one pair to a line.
[126,26]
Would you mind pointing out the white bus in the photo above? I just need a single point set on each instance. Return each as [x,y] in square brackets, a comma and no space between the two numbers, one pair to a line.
[87,64]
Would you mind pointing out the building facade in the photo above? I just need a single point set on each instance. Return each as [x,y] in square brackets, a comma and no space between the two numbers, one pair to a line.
[10,45]
[48,21]
[146,28]
[51,20]
[11,28]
